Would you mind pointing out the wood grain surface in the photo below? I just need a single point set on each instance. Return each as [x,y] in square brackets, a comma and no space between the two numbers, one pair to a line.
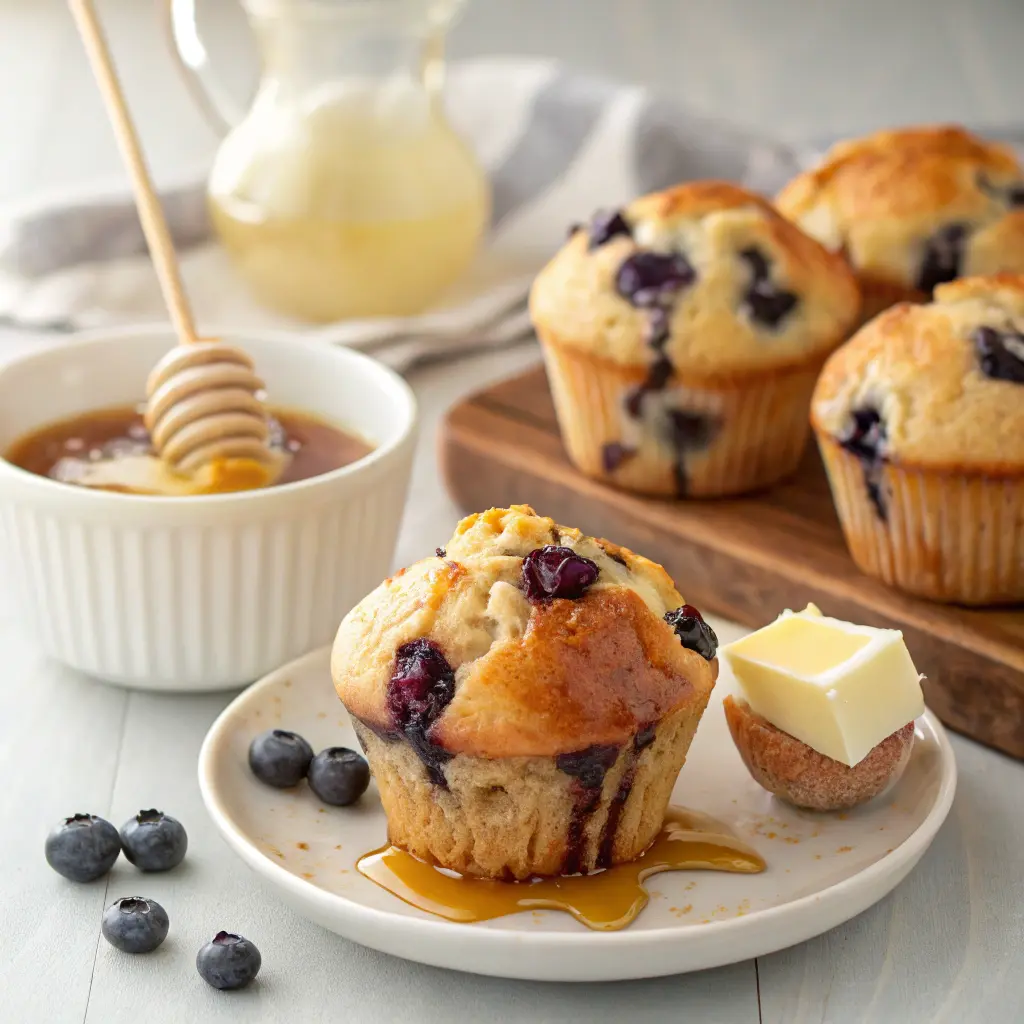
[746,559]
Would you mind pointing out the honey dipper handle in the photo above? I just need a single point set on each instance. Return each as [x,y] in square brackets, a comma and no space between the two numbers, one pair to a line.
[154,224]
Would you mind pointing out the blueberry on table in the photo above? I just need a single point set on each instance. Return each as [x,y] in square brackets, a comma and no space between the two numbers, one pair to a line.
[135,925]
[280,758]
[693,632]
[339,776]
[154,841]
[228,961]
[83,847]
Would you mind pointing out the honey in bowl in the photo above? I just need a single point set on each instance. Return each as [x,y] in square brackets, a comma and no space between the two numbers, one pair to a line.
[109,449]
[604,901]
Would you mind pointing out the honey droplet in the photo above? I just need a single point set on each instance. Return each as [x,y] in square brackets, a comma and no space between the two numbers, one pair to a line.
[605,901]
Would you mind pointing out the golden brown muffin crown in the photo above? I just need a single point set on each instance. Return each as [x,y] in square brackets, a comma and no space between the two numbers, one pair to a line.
[914,207]
[736,287]
[938,385]
[530,676]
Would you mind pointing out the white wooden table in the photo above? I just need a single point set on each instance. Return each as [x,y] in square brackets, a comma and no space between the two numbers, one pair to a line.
[947,946]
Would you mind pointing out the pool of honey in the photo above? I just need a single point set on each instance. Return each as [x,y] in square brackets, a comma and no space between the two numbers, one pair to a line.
[60,450]
[604,901]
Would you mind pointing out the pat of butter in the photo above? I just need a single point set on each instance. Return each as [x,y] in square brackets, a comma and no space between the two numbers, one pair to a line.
[837,687]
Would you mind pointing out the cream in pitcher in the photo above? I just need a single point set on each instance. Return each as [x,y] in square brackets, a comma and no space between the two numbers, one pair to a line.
[344,191]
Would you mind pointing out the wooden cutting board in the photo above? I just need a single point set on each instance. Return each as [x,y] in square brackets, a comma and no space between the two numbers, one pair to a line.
[746,559]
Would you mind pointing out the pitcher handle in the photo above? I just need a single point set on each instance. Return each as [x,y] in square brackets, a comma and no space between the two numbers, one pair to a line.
[220,108]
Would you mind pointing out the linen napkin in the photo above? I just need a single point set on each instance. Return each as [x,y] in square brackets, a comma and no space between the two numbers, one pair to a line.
[556,145]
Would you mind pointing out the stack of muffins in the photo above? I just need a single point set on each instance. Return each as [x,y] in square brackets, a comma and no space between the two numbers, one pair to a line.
[693,337]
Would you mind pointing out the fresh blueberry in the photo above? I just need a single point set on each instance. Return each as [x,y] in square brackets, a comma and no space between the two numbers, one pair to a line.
[553,571]
[135,925]
[605,225]
[228,961]
[943,254]
[280,758]
[693,632]
[153,841]
[83,847]
[651,278]
[339,776]
[1001,356]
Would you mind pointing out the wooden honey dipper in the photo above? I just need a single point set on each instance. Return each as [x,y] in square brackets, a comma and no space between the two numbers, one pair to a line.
[203,406]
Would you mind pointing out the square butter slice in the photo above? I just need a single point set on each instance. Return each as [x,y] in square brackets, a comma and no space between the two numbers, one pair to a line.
[838,687]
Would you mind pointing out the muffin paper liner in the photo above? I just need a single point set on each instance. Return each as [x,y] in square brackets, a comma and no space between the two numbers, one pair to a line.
[759,426]
[951,537]
[516,817]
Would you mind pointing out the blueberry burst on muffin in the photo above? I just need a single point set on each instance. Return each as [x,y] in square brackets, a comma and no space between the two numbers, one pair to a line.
[683,335]
[526,698]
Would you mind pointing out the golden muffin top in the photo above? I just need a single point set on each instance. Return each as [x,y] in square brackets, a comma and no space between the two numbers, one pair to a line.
[520,638]
[915,207]
[938,385]
[707,274]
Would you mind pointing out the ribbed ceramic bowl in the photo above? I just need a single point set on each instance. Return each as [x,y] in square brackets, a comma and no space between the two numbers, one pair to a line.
[209,592]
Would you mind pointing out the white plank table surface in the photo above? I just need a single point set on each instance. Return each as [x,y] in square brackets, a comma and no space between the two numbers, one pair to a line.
[946,946]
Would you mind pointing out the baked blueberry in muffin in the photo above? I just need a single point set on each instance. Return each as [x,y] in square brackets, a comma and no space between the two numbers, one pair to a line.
[526,701]
[683,335]
[912,209]
[920,420]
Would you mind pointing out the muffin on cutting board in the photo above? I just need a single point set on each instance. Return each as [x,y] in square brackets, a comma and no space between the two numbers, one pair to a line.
[913,208]
[683,335]
[525,698]
[920,421]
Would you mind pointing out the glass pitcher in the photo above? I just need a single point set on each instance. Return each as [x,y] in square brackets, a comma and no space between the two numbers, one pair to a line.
[344,191]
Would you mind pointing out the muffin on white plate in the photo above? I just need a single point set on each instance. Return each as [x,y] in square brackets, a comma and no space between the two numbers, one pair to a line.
[913,208]
[683,335]
[525,698]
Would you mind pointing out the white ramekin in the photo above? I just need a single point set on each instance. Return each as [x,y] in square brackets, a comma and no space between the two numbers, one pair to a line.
[210,592]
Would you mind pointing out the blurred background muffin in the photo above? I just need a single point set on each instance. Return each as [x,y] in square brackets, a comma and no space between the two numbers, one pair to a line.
[525,698]
[920,420]
[913,208]
[683,335]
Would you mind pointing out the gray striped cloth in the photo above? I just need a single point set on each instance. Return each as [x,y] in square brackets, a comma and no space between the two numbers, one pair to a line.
[557,147]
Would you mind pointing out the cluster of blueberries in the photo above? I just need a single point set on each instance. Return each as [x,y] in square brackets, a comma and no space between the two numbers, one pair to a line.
[84,847]
[282,759]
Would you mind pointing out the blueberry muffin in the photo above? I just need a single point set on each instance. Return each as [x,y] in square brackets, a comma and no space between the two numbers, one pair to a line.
[683,335]
[912,209]
[920,421]
[526,698]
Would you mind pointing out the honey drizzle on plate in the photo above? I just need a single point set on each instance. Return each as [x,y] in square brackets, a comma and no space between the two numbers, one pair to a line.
[605,901]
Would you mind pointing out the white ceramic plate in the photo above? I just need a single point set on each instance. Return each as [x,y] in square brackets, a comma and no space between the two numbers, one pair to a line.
[822,869]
